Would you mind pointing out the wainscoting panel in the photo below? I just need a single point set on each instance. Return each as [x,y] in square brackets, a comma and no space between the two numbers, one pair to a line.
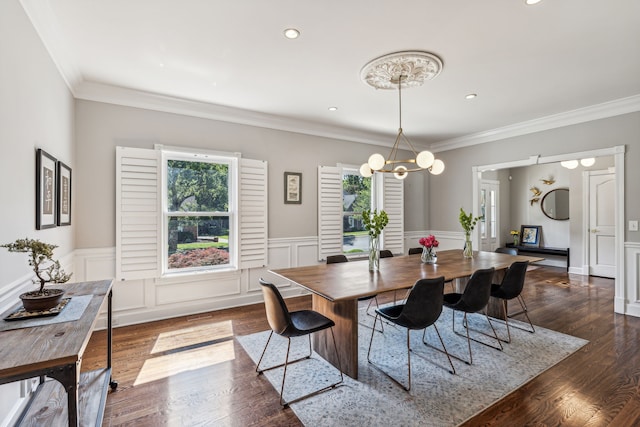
[631,298]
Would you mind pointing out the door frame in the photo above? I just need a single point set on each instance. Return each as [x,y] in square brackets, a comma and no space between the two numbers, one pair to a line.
[620,304]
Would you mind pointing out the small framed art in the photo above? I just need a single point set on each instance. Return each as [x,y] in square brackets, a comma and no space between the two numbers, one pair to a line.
[46,177]
[64,195]
[292,188]
[530,235]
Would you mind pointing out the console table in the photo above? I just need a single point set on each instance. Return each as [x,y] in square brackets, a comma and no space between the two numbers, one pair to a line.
[542,250]
[55,350]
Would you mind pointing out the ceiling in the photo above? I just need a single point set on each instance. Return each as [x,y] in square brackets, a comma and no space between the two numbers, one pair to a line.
[531,66]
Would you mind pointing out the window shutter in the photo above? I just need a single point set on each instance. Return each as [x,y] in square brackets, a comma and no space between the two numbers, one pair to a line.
[329,211]
[253,213]
[393,205]
[138,245]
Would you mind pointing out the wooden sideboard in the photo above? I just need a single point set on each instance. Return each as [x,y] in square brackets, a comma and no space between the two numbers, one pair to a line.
[542,250]
[55,351]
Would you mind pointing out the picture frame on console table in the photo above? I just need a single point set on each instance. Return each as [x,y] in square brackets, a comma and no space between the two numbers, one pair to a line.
[46,179]
[530,235]
[63,205]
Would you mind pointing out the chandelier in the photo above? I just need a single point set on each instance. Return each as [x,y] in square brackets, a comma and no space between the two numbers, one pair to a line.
[401,69]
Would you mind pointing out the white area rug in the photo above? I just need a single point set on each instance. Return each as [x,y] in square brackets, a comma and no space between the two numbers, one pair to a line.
[437,398]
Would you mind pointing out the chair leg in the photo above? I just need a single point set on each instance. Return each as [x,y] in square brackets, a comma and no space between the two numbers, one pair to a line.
[381,330]
[525,312]
[407,388]
[259,371]
[287,363]
[443,350]
[469,339]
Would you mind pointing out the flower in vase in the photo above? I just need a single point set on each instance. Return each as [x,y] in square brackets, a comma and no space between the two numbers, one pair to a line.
[429,241]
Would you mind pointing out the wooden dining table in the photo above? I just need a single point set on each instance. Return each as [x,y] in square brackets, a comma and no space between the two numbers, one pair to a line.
[336,288]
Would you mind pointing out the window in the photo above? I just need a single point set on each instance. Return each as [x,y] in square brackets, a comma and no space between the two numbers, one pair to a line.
[199,215]
[342,195]
[356,198]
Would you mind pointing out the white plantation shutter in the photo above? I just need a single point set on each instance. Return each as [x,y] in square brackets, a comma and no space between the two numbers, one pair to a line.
[329,211]
[393,205]
[138,246]
[253,213]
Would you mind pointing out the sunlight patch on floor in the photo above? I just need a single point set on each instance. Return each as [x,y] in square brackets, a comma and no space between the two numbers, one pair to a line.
[165,366]
[188,349]
[192,336]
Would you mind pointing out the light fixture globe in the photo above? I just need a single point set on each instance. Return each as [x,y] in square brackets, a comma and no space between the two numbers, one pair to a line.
[588,162]
[400,172]
[569,164]
[365,170]
[437,168]
[425,159]
[376,161]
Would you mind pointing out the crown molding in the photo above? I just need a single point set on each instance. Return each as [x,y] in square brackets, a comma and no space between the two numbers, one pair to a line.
[595,112]
[99,92]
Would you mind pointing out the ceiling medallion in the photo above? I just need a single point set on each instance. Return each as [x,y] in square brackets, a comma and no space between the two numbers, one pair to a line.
[414,66]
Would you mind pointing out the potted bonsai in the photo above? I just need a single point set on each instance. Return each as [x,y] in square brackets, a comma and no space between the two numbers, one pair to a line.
[47,270]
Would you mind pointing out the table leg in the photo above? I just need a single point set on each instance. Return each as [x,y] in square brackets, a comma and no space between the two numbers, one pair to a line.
[345,316]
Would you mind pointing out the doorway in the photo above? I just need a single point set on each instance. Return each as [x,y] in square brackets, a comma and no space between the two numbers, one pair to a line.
[489,209]
[600,244]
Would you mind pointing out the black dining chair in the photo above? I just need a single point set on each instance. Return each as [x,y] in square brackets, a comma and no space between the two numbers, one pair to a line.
[511,288]
[289,325]
[413,251]
[386,253]
[421,310]
[474,299]
[509,251]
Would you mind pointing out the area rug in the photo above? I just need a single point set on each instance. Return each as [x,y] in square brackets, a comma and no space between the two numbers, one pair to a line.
[436,398]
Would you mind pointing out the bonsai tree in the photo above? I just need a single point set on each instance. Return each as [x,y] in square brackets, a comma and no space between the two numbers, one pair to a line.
[41,260]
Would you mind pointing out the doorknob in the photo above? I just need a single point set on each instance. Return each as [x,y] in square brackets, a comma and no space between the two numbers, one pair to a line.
[595,231]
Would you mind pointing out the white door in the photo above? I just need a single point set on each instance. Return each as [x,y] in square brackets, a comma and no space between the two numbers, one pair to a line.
[489,225]
[602,204]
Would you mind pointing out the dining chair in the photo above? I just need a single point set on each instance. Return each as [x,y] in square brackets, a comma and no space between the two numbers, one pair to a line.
[509,251]
[421,310]
[293,324]
[413,251]
[510,288]
[385,253]
[474,298]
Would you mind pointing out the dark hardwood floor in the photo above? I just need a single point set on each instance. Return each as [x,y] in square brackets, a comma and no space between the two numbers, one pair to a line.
[189,371]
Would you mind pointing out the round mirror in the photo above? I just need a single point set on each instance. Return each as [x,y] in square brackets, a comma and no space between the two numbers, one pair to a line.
[555,204]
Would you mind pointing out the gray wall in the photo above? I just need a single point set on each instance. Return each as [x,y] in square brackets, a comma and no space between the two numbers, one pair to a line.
[36,111]
[101,127]
[453,189]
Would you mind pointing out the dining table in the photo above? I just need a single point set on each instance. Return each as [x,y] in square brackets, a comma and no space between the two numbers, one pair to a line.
[336,288]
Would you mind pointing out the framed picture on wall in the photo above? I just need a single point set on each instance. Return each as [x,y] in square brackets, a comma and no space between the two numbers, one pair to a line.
[530,235]
[292,188]
[46,177]
[63,205]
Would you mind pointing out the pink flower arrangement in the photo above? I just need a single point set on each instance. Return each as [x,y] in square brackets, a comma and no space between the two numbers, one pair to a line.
[429,241]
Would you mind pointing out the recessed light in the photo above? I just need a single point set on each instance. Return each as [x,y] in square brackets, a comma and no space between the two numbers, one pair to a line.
[531,2]
[162,65]
[291,33]
[471,96]
[333,108]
